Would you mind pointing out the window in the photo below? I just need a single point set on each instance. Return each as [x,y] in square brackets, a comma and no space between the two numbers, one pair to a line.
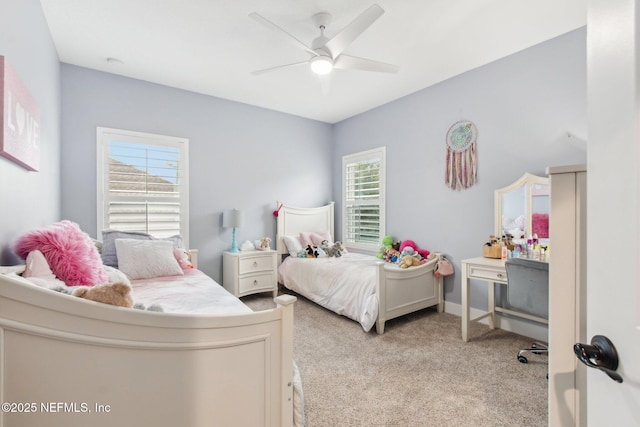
[363,200]
[143,183]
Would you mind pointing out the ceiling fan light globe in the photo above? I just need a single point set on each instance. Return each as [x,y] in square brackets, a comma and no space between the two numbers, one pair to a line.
[321,64]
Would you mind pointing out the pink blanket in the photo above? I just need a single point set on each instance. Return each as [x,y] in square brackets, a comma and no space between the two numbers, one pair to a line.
[194,293]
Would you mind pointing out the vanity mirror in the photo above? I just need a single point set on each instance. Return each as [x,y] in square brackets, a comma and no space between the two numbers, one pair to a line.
[522,208]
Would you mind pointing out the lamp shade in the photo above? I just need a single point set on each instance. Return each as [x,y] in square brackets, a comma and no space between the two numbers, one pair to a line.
[232,218]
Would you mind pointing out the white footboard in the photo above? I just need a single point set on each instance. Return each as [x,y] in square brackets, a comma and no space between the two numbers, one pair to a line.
[66,361]
[403,291]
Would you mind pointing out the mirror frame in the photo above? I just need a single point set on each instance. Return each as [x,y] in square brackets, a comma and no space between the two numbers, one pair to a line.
[528,181]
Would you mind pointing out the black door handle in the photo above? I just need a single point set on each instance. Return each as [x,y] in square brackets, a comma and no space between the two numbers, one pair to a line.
[602,352]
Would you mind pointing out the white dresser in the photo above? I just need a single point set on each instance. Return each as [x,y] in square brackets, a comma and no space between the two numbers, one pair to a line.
[249,272]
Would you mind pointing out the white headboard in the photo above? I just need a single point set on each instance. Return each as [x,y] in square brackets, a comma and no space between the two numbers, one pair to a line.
[291,221]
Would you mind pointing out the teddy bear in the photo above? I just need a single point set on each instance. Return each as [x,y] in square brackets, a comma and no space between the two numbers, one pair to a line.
[118,294]
[264,243]
[409,252]
[409,261]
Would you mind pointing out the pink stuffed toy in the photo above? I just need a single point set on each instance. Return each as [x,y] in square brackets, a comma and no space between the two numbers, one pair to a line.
[182,256]
[411,244]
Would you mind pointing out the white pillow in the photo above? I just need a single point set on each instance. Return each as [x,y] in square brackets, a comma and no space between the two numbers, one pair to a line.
[143,259]
[293,245]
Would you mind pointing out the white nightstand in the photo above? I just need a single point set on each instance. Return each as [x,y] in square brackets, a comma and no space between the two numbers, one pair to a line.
[249,272]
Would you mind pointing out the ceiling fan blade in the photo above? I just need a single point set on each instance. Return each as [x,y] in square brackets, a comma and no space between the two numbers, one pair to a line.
[268,70]
[264,21]
[347,62]
[344,38]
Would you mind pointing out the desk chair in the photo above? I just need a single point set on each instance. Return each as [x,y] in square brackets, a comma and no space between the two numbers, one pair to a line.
[528,291]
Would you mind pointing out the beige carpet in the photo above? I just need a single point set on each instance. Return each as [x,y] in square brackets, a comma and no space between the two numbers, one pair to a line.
[418,373]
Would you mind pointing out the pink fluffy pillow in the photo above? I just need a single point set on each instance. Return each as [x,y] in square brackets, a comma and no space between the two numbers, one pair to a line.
[71,254]
[314,238]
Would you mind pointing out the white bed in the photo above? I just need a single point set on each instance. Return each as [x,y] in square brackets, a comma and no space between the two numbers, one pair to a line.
[67,361]
[384,290]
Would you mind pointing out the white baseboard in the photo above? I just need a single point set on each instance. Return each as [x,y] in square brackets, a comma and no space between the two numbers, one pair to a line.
[522,327]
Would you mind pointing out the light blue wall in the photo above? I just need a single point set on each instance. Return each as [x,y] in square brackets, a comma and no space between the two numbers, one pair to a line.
[523,106]
[246,157]
[241,156]
[30,199]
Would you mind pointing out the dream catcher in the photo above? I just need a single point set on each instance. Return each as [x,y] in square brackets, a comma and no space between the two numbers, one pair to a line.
[462,168]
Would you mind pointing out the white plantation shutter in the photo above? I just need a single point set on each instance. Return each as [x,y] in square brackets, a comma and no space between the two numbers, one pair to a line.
[143,182]
[363,199]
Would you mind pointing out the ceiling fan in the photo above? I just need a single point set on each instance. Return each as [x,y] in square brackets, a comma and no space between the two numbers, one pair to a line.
[326,53]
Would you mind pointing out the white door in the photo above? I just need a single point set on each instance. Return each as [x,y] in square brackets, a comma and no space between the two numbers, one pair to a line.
[613,206]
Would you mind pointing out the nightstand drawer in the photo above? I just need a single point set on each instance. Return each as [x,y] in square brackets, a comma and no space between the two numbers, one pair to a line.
[256,282]
[495,275]
[249,272]
[255,264]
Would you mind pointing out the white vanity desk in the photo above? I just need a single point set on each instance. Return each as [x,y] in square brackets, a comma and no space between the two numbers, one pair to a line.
[515,204]
[493,272]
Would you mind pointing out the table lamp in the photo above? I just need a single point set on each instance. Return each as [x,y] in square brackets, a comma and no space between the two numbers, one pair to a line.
[232,219]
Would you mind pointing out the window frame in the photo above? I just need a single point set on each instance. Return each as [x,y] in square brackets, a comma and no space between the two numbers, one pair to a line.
[104,136]
[363,156]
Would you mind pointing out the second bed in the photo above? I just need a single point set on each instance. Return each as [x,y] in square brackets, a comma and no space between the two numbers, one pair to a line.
[360,287]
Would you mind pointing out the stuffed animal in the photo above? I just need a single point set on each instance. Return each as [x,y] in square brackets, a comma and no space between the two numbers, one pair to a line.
[410,243]
[264,243]
[182,255]
[111,293]
[392,255]
[408,251]
[152,307]
[334,250]
[387,242]
[409,261]
[312,251]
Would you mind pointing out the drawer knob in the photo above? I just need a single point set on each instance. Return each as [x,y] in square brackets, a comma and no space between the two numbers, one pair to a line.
[255,283]
[500,275]
[255,263]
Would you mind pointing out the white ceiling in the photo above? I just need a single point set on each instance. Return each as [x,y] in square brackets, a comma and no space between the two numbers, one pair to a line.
[212,46]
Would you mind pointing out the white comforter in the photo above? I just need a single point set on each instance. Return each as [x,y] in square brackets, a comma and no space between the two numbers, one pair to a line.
[345,285]
[195,293]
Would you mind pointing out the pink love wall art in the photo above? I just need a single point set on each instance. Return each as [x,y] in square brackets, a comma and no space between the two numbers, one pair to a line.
[19,122]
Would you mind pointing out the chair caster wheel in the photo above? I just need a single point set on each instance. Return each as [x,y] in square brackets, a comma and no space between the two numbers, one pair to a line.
[522,359]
